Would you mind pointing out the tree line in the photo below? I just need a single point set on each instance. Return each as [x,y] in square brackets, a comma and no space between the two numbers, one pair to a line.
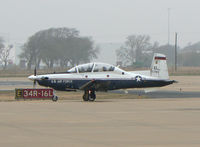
[61,46]
[65,47]
[137,51]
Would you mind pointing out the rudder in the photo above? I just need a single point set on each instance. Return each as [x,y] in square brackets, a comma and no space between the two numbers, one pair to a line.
[159,66]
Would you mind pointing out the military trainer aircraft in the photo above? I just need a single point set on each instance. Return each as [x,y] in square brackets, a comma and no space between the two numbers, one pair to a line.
[92,77]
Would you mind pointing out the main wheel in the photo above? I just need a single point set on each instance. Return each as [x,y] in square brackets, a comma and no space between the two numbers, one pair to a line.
[91,99]
[86,96]
[92,96]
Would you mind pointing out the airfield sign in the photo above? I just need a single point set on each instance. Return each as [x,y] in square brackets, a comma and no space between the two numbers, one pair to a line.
[34,93]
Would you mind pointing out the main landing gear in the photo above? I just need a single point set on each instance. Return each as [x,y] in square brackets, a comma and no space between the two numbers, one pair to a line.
[89,95]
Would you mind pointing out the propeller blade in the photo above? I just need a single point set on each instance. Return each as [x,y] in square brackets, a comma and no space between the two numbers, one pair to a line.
[35,71]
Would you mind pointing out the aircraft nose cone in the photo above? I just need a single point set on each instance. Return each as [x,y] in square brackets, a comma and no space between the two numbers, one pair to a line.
[32,77]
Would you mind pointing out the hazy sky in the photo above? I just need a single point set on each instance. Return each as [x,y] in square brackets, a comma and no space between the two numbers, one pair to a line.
[104,20]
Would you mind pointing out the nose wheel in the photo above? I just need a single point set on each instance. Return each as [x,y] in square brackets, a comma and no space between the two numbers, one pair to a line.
[89,95]
[54,98]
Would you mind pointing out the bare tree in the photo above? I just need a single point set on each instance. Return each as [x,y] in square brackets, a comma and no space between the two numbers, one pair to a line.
[131,52]
[4,55]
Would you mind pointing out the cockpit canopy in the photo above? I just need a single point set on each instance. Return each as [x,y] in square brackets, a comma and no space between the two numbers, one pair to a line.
[92,67]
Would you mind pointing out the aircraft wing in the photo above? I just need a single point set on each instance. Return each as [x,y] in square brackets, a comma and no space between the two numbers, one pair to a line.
[98,85]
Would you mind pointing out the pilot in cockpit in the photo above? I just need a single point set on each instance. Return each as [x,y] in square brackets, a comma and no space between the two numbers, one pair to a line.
[89,69]
[104,68]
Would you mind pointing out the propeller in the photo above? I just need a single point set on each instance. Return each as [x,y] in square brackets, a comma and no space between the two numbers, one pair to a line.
[34,81]
[34,78]
[35,71]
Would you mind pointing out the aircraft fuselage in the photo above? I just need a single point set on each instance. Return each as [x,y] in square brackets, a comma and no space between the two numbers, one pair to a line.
[68,82]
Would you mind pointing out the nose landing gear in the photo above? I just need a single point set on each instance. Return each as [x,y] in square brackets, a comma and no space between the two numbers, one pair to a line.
[89,95]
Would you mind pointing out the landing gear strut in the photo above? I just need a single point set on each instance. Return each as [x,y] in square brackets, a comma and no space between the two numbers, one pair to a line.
[89,95]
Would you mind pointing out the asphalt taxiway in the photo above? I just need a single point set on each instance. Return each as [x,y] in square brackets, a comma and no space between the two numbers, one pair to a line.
[162,94]
[105,123]
[168,117]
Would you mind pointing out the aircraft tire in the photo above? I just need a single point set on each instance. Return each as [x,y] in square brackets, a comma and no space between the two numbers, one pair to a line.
[91,99]
[86,96]
[54,98]
[92,96]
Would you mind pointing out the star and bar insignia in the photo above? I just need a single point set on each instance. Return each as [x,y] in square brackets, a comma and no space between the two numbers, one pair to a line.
[138,79]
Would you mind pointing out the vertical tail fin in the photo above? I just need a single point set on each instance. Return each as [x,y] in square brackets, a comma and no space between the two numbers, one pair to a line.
[159,66]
